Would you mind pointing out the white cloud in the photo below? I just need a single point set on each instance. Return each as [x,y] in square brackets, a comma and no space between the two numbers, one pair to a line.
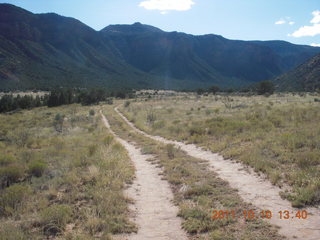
[316,17]
[309,31]
[315,44]
[167,5]
[286,20]
[280,22]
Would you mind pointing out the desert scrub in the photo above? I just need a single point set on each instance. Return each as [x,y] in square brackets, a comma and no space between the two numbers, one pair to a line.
[13,198]
[37,168]
[54,218]
[278,136]
[197,190]
[66,170]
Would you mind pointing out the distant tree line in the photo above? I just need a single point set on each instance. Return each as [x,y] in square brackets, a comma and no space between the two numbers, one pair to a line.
[260,88]
[60,96]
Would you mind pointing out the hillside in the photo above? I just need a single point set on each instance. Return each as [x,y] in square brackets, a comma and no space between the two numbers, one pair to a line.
[305,77]
[207,58]
[48,50]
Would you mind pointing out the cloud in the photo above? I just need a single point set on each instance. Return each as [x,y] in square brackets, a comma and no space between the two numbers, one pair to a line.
[316,17]
[315,44]
[309,31]
[167,5]
[286,20]
[280,22]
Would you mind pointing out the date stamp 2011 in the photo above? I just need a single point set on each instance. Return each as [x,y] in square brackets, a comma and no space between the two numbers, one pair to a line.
[251,214]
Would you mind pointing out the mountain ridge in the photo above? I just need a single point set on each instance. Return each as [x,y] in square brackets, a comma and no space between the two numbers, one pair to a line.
[305,77]
[48,50]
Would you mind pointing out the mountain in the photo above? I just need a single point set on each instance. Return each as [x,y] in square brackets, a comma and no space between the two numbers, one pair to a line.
[305,77]
[48,50]
[208,58]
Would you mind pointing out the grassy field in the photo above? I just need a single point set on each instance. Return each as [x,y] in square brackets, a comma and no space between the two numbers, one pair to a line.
[277,135]
[197,191]
[62,176]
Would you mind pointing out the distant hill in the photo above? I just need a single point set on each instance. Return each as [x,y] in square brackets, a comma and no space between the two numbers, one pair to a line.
[305,77]
[48,50]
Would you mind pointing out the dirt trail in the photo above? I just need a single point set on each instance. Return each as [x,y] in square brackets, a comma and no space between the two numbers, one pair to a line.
[253,189]
[155,214]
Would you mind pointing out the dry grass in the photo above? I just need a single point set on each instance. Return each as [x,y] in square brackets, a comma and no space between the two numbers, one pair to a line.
[197,190]
[62,175]
[277,135]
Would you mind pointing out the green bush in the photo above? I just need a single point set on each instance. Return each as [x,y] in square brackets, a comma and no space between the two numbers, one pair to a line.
[170,150]
[92,112]
[6,159]
[10,174]
[55,218]
[13,198]
[37,168]
[127,104]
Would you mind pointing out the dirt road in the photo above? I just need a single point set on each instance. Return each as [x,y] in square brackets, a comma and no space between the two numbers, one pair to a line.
[253,189]
[155,214]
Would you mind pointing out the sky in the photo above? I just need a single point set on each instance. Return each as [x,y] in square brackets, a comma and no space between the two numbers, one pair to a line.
[296,21]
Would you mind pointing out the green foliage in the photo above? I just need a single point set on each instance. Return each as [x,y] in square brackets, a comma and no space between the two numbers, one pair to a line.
[127,104]
[10,174]
[13,198]
[55,218]
[265,87]
[214,89]
[37,168]
[92,112]
[170,150]
[6,159]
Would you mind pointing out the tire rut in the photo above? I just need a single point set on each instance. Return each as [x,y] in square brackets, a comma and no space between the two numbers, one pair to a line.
[154,212]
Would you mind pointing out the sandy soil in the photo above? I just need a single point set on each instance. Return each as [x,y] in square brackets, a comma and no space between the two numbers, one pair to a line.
[253,189]
[154,212]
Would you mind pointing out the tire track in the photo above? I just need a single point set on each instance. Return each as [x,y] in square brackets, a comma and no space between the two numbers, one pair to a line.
[155,214]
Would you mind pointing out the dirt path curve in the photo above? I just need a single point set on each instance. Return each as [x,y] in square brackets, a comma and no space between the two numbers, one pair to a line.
[253,189]
[155,214]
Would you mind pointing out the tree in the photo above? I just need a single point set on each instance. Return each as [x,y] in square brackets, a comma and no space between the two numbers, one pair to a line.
[265,87]
[214,89]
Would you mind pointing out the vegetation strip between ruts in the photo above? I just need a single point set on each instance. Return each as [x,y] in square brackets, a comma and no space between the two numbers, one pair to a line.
[197,191]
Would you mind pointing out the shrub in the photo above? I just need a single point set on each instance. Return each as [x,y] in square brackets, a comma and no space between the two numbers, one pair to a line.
[265,87]
[159,124]
[92,112]
[170,150]
[13,198]
[37,168]
[151,117]
[109,101]
[127,104]
[6,160]
[55,218]
[108,140]
[10,174]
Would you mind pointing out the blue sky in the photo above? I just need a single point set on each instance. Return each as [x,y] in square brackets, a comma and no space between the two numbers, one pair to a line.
[296,21]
